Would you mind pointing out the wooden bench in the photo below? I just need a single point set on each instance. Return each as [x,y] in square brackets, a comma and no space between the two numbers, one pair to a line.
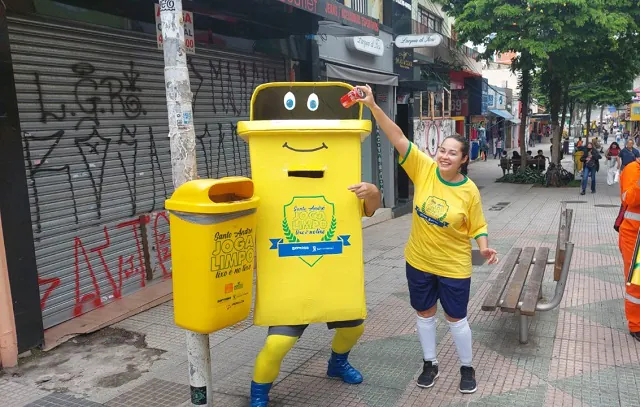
[508,163]
[518,287]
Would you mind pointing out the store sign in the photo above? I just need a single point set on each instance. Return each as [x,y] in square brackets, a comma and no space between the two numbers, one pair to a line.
[635,112]
[334,11]
[459,103]
[418,40]
[403,63]
[484,109]
[189,32]
[491,101]
[367,45]
[454,85]
[403,3]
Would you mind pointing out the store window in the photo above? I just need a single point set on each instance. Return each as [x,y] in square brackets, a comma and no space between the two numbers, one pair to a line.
[432,22]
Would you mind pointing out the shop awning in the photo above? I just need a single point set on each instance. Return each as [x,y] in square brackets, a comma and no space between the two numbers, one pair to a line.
[502,113]
[331,10]
[360,75]
[515,121]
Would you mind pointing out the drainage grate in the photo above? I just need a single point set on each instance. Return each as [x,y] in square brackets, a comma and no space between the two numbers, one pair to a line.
[606,206]
[574,202]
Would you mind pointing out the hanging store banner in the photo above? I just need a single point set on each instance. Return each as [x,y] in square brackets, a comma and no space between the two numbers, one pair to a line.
[334,11]
[189,32]
[418,40]
[459,103]
[368,45]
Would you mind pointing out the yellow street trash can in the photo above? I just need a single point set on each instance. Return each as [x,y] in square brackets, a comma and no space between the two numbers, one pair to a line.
[212,227]
[577,164]
[305,150]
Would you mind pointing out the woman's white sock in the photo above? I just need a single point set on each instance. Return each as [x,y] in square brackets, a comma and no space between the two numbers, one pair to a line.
[461,332]
[427,335]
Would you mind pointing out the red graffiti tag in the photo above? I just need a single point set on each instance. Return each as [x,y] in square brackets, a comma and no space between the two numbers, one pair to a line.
[93,272]
[132,268]
[94,296]
[44,281]
[163,247]
[117,292]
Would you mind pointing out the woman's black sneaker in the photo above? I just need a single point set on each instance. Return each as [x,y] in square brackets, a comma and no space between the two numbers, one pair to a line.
[428,376]
[468,380]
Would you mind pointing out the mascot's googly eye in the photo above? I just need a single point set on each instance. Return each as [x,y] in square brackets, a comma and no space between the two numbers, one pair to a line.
[289,101]
[312,102]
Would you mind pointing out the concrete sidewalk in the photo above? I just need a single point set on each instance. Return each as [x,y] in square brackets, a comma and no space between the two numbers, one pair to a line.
[578,355]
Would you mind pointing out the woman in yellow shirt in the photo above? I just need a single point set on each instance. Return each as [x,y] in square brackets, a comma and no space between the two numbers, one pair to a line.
[447,215]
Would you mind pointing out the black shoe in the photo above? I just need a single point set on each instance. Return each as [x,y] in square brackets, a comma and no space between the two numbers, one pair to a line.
[428,376]
[468,383]
[593,192]
[582,193]
[635,335]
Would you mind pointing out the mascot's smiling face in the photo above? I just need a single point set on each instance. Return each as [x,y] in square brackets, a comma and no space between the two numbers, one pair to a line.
[303,103]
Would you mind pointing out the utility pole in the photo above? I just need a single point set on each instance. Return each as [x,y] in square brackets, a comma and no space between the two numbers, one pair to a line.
[183,167]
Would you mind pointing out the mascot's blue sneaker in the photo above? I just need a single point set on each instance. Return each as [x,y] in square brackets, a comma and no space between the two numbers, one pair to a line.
[339,367]
[260,394]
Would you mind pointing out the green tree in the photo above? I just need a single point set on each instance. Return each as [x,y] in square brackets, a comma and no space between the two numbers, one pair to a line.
[563,41]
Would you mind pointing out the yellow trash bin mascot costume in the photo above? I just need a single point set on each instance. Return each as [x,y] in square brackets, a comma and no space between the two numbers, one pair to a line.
[305,163]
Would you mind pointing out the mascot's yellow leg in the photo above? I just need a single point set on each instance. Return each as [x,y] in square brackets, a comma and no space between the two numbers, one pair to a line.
[269,359]
[346,338]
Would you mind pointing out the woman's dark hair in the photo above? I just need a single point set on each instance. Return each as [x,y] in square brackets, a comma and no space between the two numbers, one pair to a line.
[617,145]
[463,141]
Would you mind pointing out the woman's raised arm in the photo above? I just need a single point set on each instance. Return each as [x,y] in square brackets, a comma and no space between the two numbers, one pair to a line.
[390,129]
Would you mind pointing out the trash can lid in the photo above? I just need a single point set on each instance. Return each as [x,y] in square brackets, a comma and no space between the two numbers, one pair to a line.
[302,127]
[213,196]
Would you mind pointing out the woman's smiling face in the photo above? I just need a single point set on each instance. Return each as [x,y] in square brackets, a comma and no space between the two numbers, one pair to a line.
[450,157]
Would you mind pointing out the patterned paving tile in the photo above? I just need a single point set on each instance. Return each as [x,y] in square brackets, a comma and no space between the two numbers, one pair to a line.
[530,397]
[595,388]
[299,390]
[556,397]
[155,392]
[606,313]
[16,394]
[583,289]
[60,400]
[611,274]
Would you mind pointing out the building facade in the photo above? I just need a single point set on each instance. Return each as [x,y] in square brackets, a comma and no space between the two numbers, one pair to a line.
[85,162]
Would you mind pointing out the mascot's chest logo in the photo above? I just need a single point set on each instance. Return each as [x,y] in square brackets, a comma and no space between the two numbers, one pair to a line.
[309,228]
[434,210]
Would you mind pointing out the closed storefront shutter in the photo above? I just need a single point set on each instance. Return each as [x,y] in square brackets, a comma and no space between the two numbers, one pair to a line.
[94,119]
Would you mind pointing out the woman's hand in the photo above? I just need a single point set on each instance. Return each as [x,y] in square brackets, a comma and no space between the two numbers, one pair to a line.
[490,254]
[368,100]
[364,190]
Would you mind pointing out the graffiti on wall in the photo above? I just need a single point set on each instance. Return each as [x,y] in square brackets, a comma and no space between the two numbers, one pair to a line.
[98,169]
[428,134]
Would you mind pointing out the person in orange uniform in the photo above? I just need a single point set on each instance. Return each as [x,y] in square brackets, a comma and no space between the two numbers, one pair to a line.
[628,233]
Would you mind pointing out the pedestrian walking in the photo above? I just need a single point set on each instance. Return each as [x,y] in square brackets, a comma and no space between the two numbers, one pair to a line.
[628,233]
[484,149]
[591,162]
[628,155]
[498,150]
[613,163]
[448,213]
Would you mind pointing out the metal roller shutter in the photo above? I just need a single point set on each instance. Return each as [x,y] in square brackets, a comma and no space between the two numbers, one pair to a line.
[94,120]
